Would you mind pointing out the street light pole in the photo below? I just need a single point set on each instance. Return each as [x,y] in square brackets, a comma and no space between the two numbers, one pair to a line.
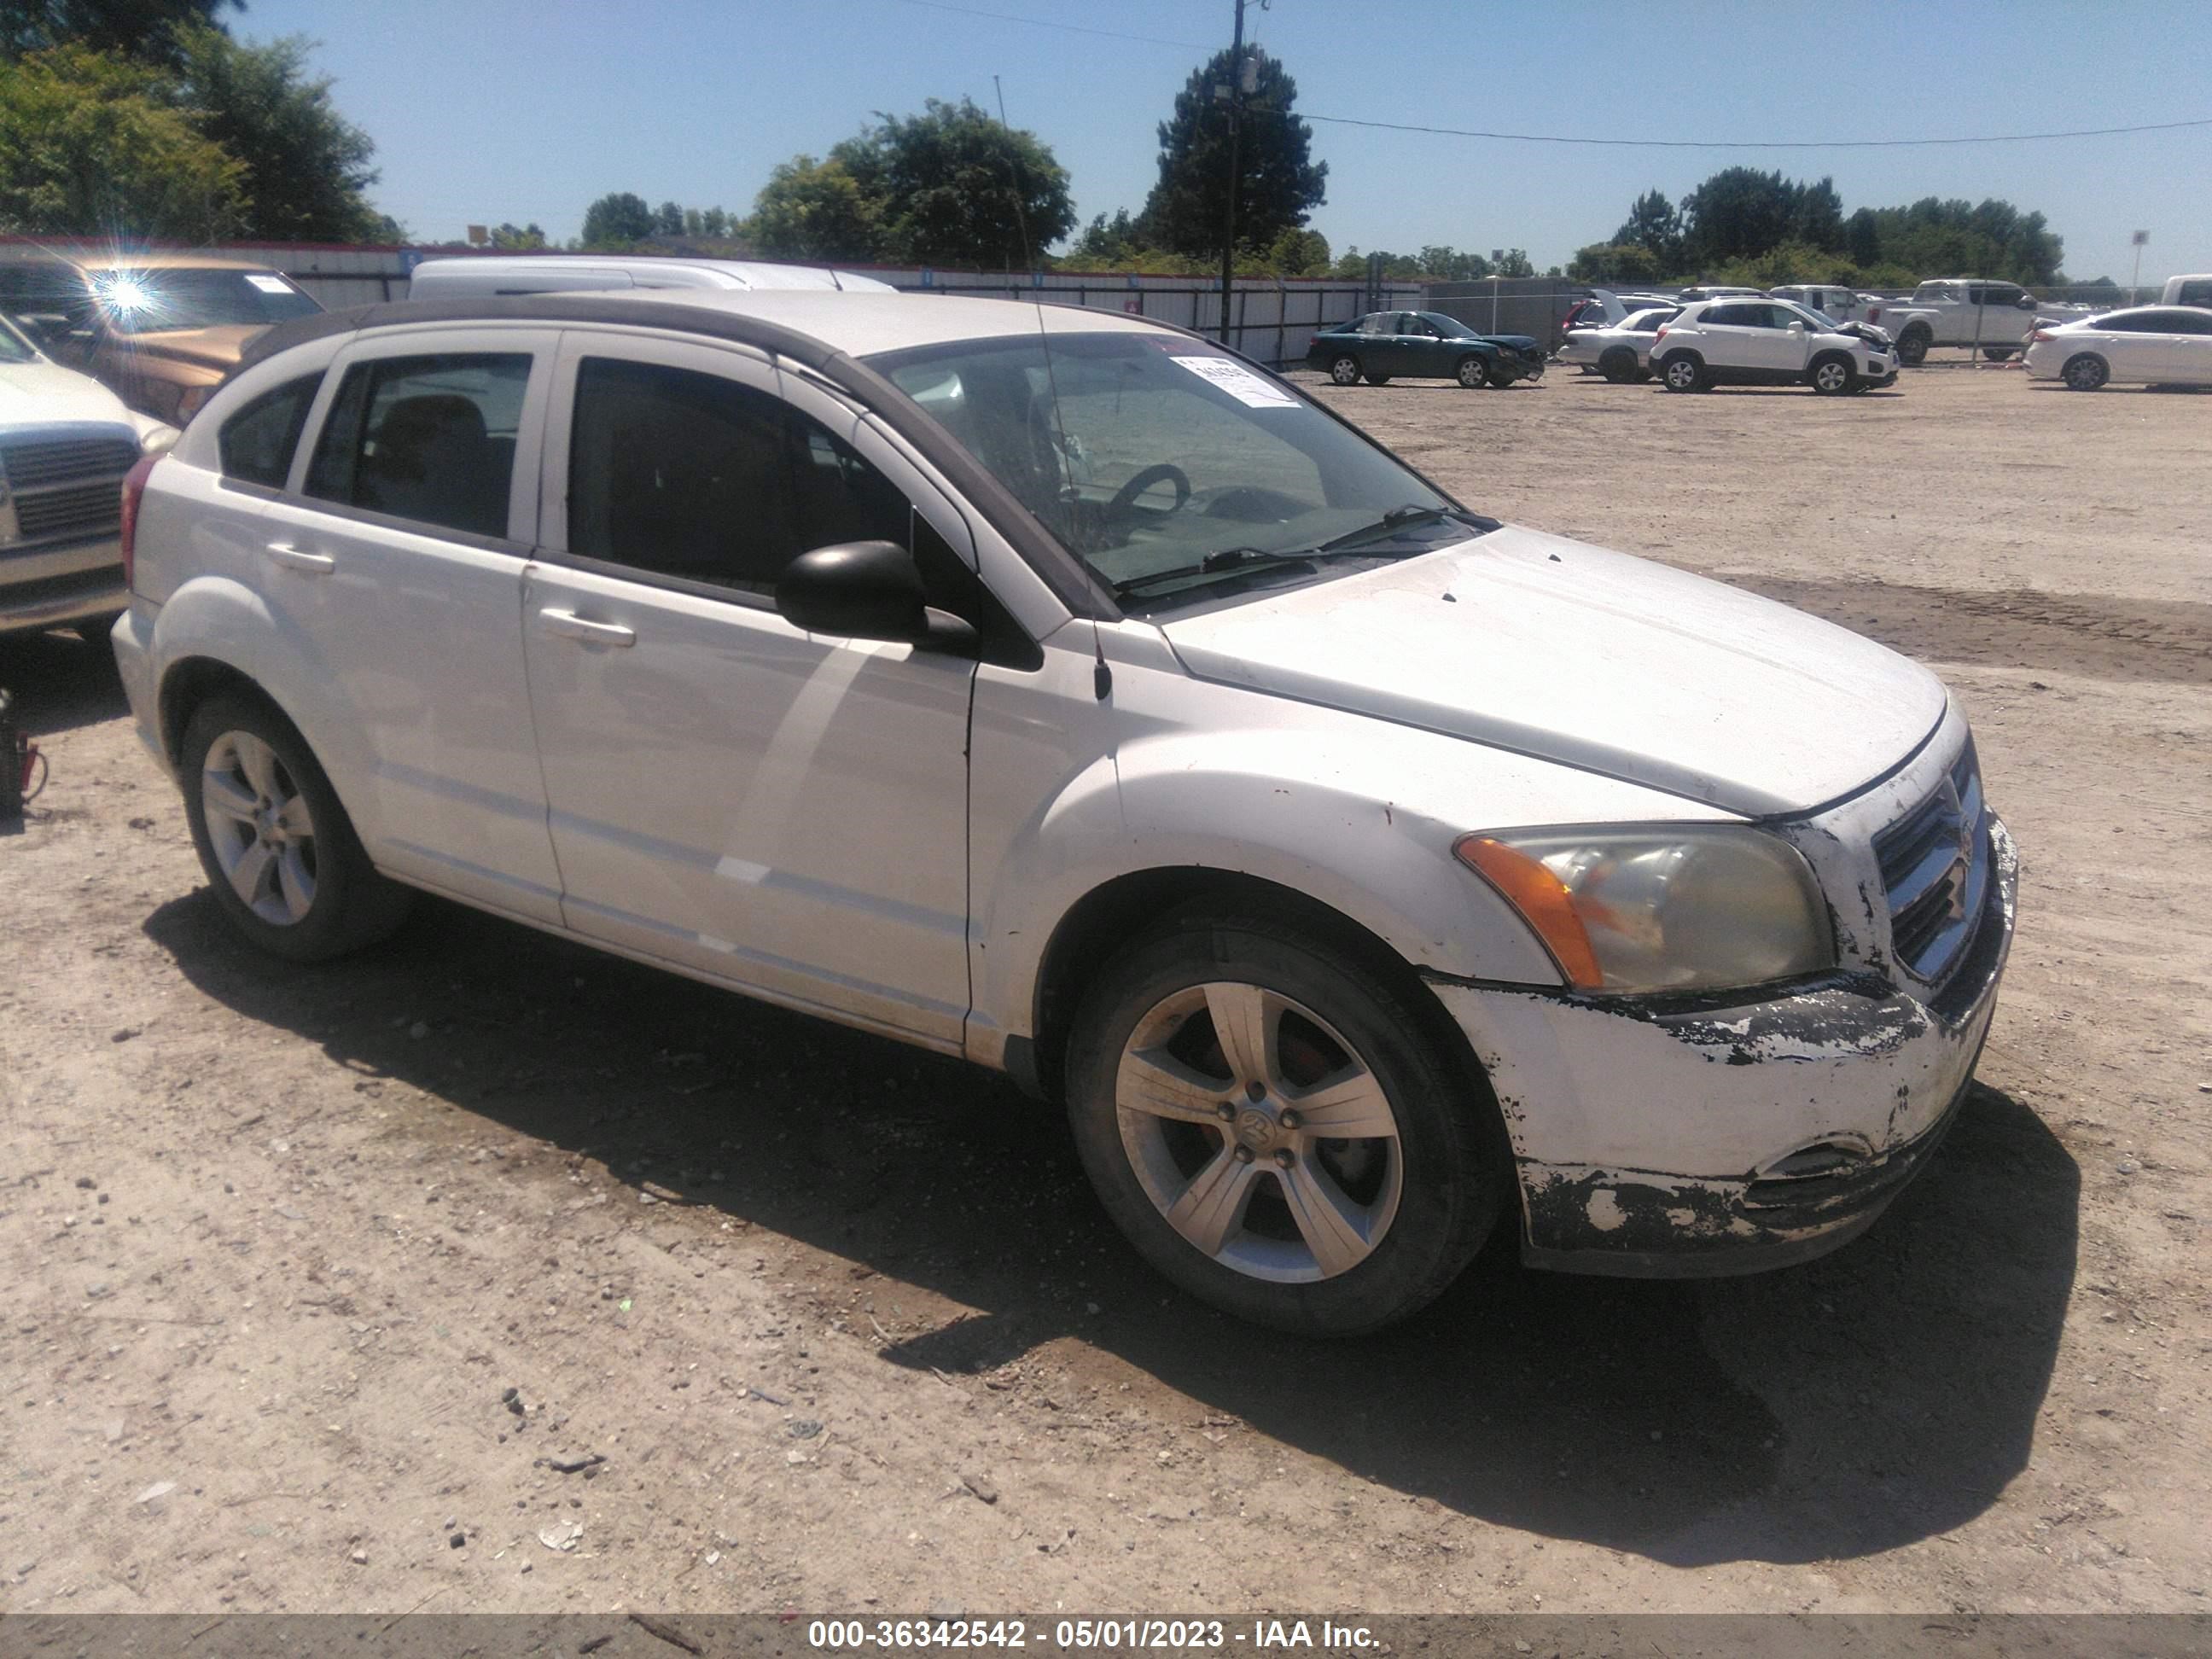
[1235,101]
[2135,277]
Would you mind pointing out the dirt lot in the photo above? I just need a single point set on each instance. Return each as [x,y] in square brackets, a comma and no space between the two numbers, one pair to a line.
[277,1243]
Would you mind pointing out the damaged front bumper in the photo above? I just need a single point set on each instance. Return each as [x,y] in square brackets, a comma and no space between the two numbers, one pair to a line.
[1679,1145]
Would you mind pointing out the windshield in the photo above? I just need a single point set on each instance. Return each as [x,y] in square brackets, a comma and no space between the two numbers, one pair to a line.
[1148,454]
[1452,328]
[149,301]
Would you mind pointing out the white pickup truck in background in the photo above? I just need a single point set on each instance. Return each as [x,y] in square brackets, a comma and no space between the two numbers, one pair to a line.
[1966,312]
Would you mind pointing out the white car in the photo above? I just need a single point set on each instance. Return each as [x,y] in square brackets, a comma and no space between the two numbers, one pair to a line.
[467,276]
[2148,345]
[1054,689]
[1963,311]
[66,443]
[1843,305]
[1763,341]
[1622,352]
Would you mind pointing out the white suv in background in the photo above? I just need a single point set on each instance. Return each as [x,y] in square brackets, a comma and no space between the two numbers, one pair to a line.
[1054,689]
[1766,342]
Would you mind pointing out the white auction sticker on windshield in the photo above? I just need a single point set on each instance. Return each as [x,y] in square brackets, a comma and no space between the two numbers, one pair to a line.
[268,284]
[1239,382]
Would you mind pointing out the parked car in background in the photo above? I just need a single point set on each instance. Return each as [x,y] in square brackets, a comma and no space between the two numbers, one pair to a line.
[2144,345]
[66,444]
[1716,291]
[1603,308]
[1843,304]
[1965,312]
[463,275]
[1383,345]
[2191,290]
[1282,816]
[1763,341]
[161,329]
[1622,352]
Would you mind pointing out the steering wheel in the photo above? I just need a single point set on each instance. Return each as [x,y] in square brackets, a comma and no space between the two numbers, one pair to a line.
[1125,498]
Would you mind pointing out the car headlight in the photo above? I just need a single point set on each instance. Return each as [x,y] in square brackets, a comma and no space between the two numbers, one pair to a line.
[1672,907]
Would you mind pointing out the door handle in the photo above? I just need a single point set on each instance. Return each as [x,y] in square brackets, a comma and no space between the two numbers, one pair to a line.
[289,557]
[570,626]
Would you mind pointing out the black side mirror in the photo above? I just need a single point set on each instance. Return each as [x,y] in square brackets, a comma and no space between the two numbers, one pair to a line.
[2028,302]
[868,591]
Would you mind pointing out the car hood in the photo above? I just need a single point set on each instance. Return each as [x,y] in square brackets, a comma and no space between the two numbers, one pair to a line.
[207,348]
[1592,658]
[1511,342]
[41,391]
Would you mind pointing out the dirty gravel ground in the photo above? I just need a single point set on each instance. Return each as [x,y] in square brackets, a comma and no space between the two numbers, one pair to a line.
[275,1243]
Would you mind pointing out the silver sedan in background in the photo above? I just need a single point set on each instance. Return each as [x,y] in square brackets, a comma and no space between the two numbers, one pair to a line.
[1622,352]
[2147,345]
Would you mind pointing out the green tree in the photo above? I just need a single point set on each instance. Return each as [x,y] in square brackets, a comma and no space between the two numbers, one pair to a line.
[812,210]
[1511,262]
[1451,264]
[517,239]
[92,143]
[307,167]
[143,29]
[1298,253]
[617,219]
[1614,263]
[1653,225]
[952,187]
[668,220]
[1278,182]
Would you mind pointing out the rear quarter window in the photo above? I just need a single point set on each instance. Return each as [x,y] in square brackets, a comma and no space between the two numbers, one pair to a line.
[256,443]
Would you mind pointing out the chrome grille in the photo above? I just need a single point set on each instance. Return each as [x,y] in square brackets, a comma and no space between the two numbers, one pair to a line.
[86,510]
[65,485]
[1936,869]
[34,462]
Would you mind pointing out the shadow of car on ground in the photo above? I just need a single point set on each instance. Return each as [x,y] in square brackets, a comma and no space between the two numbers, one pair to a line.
[1881,1395]
[60,682]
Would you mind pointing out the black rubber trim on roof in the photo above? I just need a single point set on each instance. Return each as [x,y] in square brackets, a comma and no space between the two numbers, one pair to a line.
[1071,580]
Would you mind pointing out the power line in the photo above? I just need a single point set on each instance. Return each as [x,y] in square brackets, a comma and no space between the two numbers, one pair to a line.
[1044,23]
[1725,143]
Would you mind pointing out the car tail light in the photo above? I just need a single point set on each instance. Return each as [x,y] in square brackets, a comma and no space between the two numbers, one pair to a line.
[2038,334]
[1660,336]
[1873,313]
[134,490]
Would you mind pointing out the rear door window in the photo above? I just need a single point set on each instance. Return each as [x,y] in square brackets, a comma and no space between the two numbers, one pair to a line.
[427,439]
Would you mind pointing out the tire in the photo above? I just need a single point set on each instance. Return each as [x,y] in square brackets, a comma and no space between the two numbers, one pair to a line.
[1392,1217]
[1998,354]
[1378,379]
[1912,347]
[1498,377]
[1470,372]
[288,871]
[2086,373]
[1831,375]
[1618,366]
[1345,370]
[1684,372]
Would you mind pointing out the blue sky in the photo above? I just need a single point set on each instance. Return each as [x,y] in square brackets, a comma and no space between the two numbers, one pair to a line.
[485,110]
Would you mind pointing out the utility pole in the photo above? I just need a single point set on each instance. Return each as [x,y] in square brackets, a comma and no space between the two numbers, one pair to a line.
[2135,277]
[1234,99]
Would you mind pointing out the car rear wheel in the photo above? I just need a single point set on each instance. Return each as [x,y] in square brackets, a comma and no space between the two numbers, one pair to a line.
[1683,372]
[1345,370]
[288,871]
[1471,372]
[1378,379]
[1831,375]
[1618,366]
[1912,347]
[1275,1128]
[2086,372]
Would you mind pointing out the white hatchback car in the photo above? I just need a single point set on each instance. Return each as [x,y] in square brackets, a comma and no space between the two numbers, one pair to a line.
[1766,342]
[2145,345]
[1053,688]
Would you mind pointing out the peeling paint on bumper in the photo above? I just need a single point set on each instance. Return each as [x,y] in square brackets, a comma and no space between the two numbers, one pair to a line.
[1679,1145]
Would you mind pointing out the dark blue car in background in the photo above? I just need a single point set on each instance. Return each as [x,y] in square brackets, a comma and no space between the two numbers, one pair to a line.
[1422,345]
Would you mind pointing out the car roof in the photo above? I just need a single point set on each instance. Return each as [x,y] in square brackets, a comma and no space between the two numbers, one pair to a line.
[809,324]
[115,258]
[704,272]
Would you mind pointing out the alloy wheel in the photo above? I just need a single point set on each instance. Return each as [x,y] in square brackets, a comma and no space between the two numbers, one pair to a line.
[259,828]
[1344,371]
[1259,1133]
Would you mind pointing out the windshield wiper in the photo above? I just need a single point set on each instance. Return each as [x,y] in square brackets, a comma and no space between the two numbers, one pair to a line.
[1230,561]
[1398,517]
[1235,561]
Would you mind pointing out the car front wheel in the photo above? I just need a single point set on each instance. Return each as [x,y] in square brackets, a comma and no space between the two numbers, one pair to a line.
[1682,373]
[1471,372]
[1276,1128]
[1831,376]
[1912,347]
[286,869]
[1345,370]
[2086,372]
